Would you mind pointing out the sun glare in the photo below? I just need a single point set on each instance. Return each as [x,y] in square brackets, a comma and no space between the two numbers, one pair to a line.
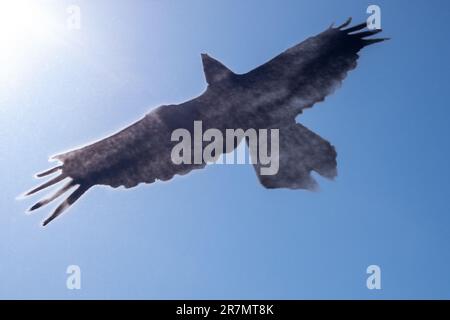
[24,26]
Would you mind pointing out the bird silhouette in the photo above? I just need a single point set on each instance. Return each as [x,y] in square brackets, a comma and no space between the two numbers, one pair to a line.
[268,97]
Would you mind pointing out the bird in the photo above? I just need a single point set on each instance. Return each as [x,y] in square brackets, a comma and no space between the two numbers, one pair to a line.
[270,96]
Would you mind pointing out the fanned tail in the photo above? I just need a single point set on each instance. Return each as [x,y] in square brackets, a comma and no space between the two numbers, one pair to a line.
[301,152]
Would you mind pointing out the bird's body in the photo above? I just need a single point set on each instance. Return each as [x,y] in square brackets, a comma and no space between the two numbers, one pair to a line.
[270,96]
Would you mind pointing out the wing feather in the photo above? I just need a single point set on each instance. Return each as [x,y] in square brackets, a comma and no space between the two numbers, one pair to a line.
[313,69]
[138,154]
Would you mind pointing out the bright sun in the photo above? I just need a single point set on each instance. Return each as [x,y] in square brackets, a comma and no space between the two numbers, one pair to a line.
[24,24]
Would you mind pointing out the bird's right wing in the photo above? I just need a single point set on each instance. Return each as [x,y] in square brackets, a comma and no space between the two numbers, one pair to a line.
[141,153]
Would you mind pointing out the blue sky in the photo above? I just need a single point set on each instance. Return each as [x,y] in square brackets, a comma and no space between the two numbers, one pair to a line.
[217,233]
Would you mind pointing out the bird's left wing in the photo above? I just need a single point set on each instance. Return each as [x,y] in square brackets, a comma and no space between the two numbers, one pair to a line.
[313,69]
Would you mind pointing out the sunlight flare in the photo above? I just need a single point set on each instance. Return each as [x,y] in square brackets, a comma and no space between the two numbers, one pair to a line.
[24,25]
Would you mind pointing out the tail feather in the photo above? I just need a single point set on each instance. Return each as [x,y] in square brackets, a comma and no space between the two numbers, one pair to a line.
[303,151]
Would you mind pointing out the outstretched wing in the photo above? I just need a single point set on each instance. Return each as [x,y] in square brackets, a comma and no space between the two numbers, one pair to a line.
[138,154]
[313,69]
